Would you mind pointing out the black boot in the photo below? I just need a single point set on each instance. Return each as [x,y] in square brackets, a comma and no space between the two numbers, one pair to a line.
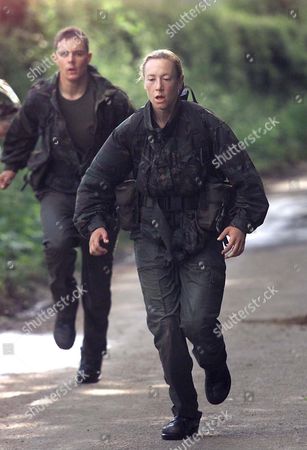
[64,332]
[181,428]
[217,384]
[90,368]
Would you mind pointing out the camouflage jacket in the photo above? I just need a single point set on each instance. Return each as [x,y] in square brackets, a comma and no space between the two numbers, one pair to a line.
[39,132]
[176,160]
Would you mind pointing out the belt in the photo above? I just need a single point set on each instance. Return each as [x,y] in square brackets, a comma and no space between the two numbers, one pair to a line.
[172,203]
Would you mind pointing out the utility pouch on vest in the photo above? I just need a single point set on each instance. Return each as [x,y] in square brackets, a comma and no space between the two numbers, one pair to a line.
[127,205]
[214,200]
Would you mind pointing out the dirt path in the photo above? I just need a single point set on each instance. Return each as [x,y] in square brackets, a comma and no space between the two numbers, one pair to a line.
[267,408]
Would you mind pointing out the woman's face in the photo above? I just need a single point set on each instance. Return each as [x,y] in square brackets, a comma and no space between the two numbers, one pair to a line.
[162,84]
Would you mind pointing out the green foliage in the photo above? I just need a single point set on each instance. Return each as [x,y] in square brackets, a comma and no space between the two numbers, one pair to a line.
[20,239]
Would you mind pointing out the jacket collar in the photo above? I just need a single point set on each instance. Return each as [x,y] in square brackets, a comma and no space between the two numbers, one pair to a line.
[149,121]
[104,89]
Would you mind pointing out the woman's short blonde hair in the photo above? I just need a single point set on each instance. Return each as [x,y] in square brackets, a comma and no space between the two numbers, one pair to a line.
[162,54]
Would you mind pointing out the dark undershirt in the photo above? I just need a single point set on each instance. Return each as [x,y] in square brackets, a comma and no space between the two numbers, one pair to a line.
[79,117]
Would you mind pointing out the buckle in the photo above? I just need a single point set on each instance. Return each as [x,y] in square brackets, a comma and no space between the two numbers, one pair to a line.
[176,203]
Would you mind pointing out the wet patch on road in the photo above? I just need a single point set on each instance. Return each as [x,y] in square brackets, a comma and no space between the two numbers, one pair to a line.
[296,320]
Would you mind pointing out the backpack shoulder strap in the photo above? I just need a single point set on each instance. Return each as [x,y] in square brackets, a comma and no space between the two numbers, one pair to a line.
[185,94]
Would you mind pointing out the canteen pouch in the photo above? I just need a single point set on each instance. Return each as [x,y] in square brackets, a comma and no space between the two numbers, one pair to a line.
[214,200]
[127,205]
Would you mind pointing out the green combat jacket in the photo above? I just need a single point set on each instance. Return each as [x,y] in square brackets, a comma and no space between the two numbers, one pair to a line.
[177,161]
[39,133]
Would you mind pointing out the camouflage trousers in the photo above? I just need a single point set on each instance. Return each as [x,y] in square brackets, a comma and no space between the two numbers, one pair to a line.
[183,301]
[60,241]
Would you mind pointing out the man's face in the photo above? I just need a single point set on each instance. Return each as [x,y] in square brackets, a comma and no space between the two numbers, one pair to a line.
[161,83]
[72,59]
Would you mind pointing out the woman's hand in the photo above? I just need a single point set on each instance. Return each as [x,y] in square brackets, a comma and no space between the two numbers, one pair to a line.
[98,237]
[236,242]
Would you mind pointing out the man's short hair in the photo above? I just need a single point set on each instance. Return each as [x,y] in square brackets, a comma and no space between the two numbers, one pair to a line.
[71,32]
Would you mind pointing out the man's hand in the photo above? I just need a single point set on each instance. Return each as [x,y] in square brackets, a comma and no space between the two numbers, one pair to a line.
[99,235]
[6,177]
[236,242]
[4,126]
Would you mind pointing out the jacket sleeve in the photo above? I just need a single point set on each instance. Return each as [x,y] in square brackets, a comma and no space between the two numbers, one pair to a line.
[124,107]
[22,136]
[95,203]
[250,203]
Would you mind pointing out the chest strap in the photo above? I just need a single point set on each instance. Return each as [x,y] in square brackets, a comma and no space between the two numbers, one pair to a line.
[172,203]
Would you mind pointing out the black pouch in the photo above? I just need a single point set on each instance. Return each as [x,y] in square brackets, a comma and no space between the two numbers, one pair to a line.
[127,205]
[214,200]
[37,170]
[194,238]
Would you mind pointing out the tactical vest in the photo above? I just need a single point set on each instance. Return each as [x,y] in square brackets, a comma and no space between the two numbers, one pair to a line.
[177,201]
[173,163]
